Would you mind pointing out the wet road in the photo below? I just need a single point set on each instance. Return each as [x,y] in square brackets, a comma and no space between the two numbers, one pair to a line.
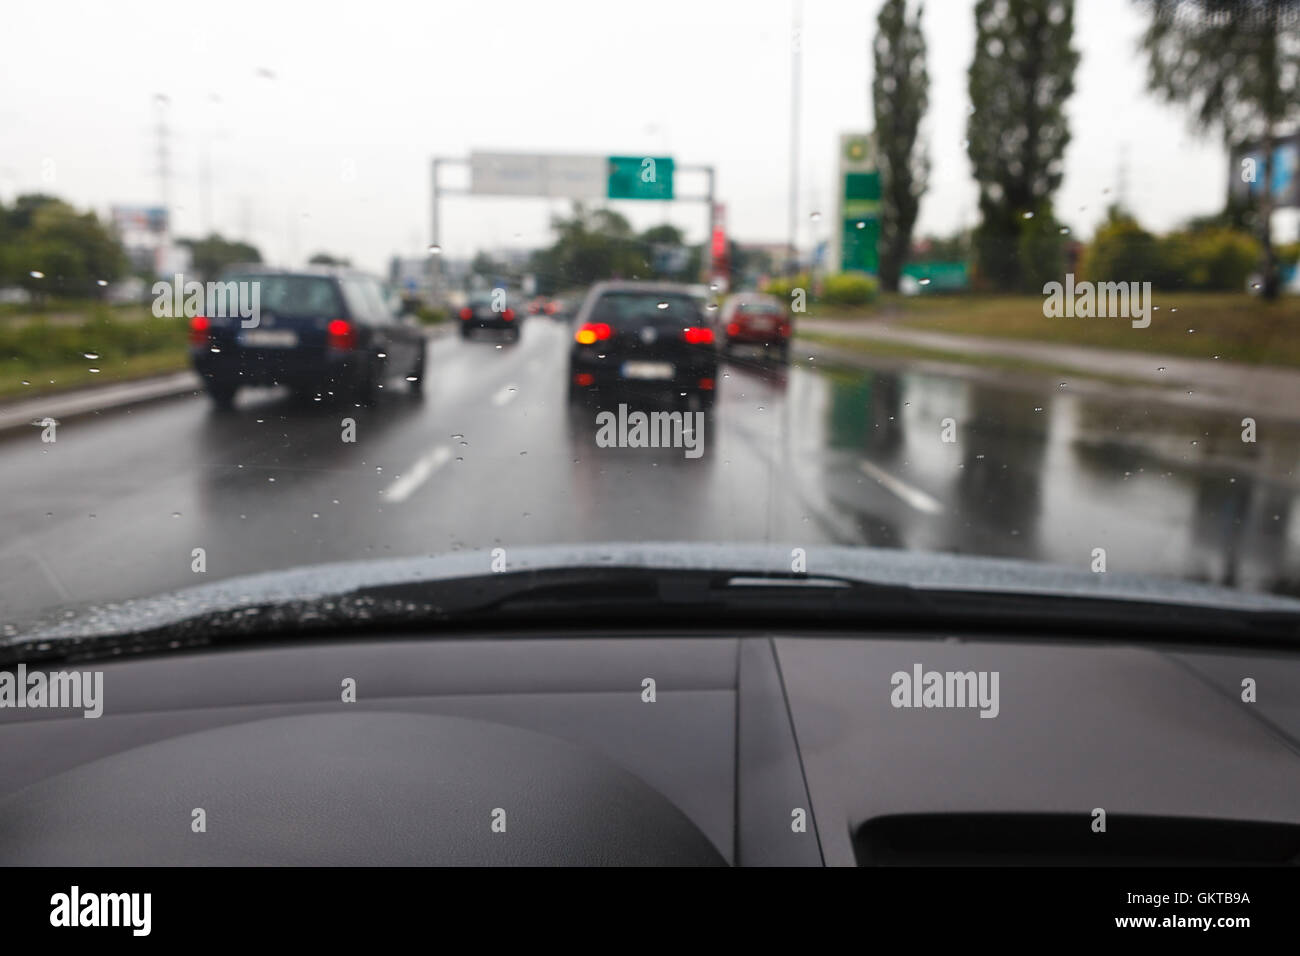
[493,456]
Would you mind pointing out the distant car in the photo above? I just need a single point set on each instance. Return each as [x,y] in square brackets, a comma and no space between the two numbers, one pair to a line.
[643,337]
[492,311]
[758,324]
[317,330]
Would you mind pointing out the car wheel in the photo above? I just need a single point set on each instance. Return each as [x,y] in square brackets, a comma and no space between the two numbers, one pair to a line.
[417,374]
[222,394]
[364,388]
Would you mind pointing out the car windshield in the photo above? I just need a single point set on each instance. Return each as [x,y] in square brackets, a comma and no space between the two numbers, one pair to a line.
[1008,280]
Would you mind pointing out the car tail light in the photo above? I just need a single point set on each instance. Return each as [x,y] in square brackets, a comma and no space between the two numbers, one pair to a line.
[706,384]
[733,328]
[508,315]
[550,308]
[785,330]
[342,334]
[584,378]
[466,313]
[199,326]
[698,335]
[593,332]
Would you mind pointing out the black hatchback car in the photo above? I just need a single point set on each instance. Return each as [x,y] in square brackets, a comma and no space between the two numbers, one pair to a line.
[323,331]
[643,337]
[492,311]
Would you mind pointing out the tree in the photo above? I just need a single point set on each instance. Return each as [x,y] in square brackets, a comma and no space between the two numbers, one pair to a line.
[900,96]
[591,246]
[1020,80]
[73,251]
[211,256]
[1236,65]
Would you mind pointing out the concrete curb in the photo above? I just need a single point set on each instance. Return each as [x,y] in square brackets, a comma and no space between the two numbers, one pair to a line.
[62,406]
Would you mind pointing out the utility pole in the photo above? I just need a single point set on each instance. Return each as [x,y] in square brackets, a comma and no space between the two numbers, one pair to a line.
[796,41]
[164,178]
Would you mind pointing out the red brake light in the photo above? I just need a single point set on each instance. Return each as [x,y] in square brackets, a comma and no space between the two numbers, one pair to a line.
[593,332]
[199,326]
[698,335]
[508,315]
[706,385]
[342,334]
[584,378]
[466,313]
[733,328]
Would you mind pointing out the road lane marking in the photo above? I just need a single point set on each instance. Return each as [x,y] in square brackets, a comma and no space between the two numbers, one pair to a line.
[915,497]
[506,394]
[418,474]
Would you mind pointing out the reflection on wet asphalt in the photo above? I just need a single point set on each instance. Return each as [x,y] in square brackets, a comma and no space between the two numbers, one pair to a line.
[494,456]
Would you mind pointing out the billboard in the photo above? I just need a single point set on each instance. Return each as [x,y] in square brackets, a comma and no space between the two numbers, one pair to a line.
[139,219]
[535,174]
[857,221]
[1247,172]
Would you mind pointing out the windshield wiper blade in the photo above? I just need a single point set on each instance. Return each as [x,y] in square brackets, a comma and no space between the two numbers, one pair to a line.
[623,597]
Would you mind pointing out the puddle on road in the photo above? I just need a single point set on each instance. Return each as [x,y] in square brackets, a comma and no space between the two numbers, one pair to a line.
[1049,475]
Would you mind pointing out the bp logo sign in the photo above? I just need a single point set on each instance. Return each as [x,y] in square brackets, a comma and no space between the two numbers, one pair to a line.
[856,150]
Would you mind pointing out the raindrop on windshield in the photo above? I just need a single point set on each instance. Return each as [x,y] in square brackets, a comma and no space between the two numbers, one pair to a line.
[91,355]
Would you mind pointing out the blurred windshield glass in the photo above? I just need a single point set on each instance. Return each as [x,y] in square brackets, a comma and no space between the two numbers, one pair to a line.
[1017,279]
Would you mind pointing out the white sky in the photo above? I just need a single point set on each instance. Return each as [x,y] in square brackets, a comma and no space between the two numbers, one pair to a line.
[375,89]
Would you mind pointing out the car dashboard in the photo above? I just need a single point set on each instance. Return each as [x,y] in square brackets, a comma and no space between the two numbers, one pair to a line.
[645,748]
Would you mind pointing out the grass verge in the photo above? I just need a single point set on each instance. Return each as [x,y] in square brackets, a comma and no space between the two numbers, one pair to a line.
[1234,327]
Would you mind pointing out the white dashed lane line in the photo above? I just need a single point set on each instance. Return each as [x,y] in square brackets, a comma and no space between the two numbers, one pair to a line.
[914,497]
[417,474]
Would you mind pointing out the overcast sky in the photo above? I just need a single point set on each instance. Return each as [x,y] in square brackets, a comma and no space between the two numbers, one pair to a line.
[319,120]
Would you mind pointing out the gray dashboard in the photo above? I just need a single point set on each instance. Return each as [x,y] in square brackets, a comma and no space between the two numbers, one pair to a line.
[542,750]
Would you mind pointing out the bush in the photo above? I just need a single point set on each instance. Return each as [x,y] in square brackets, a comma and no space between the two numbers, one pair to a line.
[430,316]
[1122,251]
[849,288]
[41,343]
[1210,260]
[783,286]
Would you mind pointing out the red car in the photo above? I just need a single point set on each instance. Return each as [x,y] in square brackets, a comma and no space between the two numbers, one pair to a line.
[758,324]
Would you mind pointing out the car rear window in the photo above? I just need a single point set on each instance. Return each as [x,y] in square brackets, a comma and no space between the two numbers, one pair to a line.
[760,308]
[293,296]
[630,308]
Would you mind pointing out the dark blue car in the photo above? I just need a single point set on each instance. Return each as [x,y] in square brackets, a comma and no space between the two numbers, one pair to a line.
[326,332]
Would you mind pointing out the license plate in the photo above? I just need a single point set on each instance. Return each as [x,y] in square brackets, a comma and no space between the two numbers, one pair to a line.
[269,338]
[647,370]
[765,325]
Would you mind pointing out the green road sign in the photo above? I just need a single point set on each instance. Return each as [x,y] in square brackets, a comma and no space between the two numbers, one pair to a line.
[640,177]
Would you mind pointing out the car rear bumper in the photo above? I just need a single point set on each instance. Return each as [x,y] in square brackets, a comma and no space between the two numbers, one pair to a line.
[757,337]
[691,373]
[497,325]
[319,369]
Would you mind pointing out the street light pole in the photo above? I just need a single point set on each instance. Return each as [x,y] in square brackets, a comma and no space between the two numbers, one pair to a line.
[795,60]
